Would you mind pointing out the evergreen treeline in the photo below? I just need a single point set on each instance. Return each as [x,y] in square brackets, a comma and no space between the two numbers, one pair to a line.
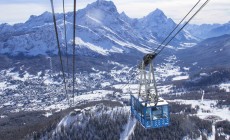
[106,123]
[211,93]
[222,127]
[98,125]
[213,77]
[182,108]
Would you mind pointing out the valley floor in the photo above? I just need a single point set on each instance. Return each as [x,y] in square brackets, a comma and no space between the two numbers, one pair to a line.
[31,103]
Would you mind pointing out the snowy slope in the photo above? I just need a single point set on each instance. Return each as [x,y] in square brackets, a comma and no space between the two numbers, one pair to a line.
[201,31]
[215,49]
[156,24]
[207,109]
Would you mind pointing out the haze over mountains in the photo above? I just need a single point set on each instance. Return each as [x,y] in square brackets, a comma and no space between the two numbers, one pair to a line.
[210,53]
[205,31]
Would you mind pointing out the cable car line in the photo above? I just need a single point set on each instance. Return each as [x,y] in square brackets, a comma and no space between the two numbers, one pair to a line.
[147,107]
[176,26]
[122,87]
[206,2]
[74,34]
[147,59]
[175,29]
[64,18]
[59,49]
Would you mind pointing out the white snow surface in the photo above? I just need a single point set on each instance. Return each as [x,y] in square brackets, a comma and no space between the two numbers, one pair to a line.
[180,78]
[47,114]
[206,105]
[129,128]
[96,95]
[77,119]
[2,116]
[170,69]
[90,46]
[212,137]
[225,86]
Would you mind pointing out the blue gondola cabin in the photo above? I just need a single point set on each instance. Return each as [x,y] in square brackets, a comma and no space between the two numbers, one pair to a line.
[149,115]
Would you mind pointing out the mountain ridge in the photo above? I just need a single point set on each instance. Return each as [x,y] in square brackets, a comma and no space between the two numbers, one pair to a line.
[205,31]
[215,49]
[99,27]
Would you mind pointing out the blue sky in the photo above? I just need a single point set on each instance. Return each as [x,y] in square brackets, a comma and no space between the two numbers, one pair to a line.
[217,11]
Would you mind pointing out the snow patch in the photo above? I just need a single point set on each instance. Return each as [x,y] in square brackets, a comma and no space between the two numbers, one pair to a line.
[3,116]
[129,128]
[180,78]
[207,108]
[195,63]
[225,86]
[203,74]
[105,84]
[47,114]
[186,68]
[90,46]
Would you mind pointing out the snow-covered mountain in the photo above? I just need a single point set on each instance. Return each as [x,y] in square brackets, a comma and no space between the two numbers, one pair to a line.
[205,31]
[219,31]
[210,53]
[100,30]
[157,25]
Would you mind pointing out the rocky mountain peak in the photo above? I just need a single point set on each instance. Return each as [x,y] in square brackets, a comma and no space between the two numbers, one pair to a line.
[103,5]
[157,13]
